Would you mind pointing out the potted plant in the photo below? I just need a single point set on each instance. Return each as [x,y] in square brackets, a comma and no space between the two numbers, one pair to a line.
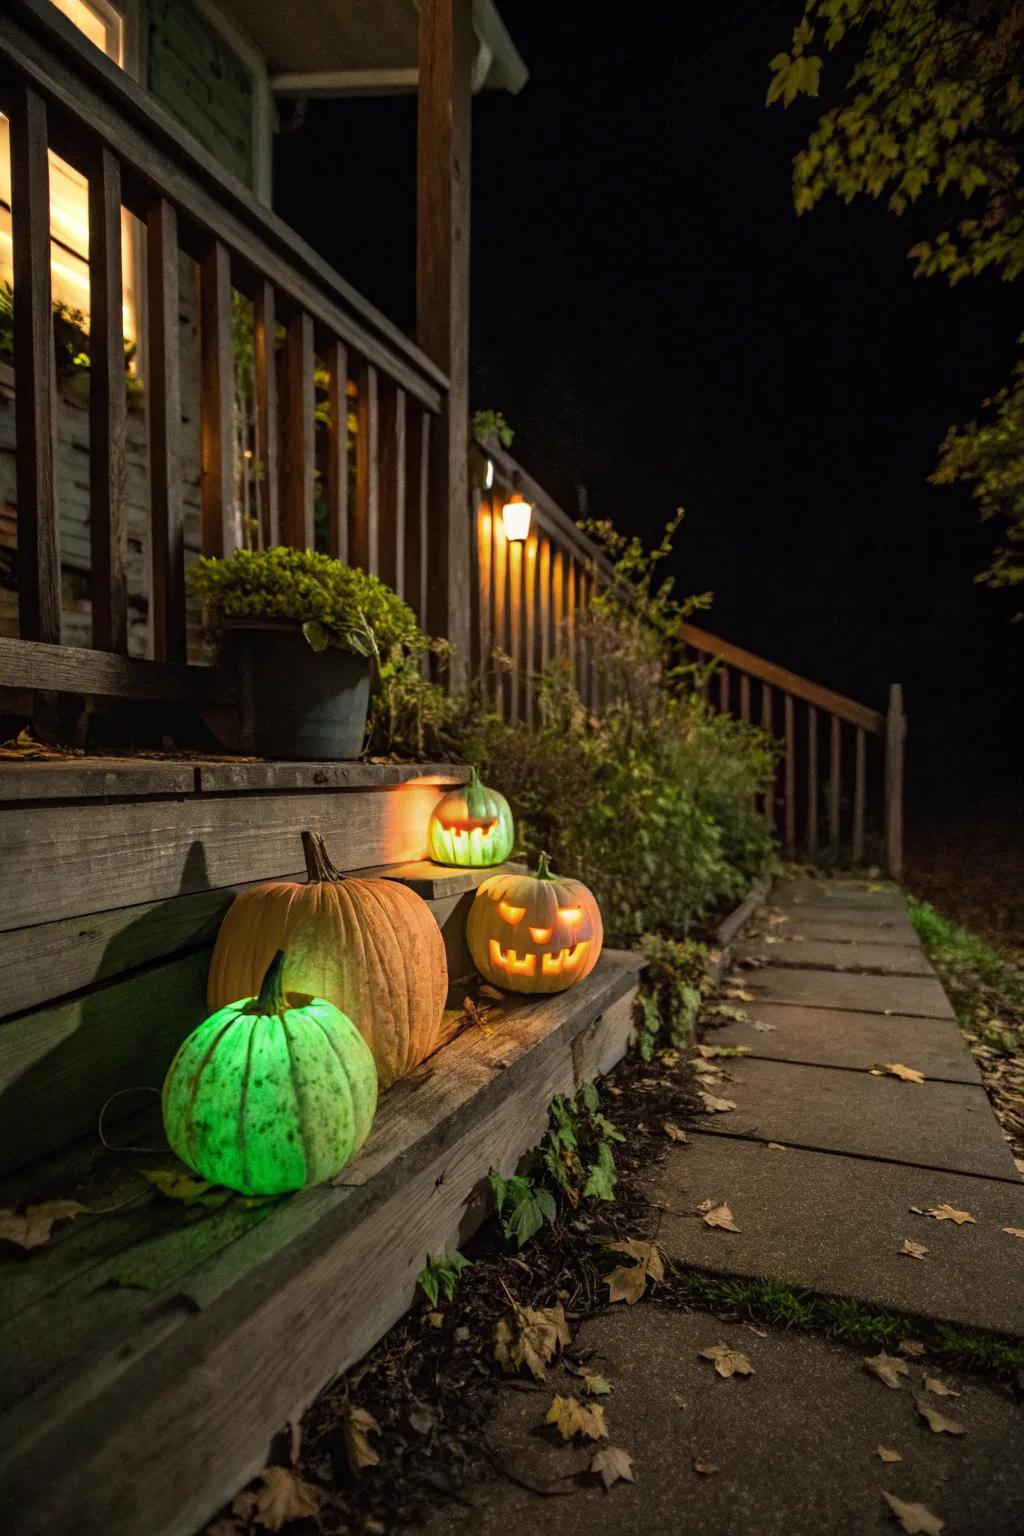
[302,633]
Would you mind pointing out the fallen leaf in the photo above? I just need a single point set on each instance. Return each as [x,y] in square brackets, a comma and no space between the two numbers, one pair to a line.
[705,1468]
[281,1496]
[180,1184]
[435,1319]
[531,1337]
[1014,1231]
[905,1074]
[357,1427]
[571,1417]
[596,1386]
[777,1146]
[720,1216]
[914,1250]
[422,1418]
[888,1368]
[32,1227]
[727,1362]
[885,1454]
[673,1132]
[915,1519]
[763,1028]
[911,1348]
[647,1254]
[740,994]
[939,1388]
[713,1105]
[613,1465]
[626,1283]
[948,1213]
[762,1333]
[711,1052]
[937,1422]
[727,1011]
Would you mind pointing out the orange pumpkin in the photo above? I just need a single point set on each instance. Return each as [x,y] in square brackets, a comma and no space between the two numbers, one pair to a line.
[370,947]
[534,933]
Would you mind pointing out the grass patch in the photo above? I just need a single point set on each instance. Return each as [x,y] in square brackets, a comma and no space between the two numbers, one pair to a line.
[766,1301]
[951,948]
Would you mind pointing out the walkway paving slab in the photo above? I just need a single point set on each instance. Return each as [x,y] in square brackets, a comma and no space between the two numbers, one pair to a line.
[917,995]
[795,1444]
[847,1039]
[856,928]
[819,1222]
[829,955]
[828,894]
[934,1125]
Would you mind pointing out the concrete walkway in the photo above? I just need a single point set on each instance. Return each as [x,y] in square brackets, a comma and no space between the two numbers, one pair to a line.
[827,1170]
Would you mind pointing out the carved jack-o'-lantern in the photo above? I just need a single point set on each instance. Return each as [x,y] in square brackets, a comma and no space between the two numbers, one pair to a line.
[534,933]
[471,826]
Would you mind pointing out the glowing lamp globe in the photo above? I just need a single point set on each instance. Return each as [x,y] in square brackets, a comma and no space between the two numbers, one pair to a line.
[534,933]
[272,1093]
[515,517]
[471,826]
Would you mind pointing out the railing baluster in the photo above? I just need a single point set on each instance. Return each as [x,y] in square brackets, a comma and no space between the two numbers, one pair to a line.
[570,619]
[835,783]
[789,775]
[485,579]
[163,409]
[392,487]
[859,775]
[812,780]
[217,403]
[544,617]
[265,367]
[34,372]
[500,569]
[515,625]
[108,522]
[705,682]
[417,513]
[297,530]
[337,451]
[723,690]
[895,733]
[557,601]
[745,696]
[365,539]
[530,645]
[766,725]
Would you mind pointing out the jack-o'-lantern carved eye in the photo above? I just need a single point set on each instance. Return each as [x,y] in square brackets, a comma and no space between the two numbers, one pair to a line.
[570,914]
[512,915]
[540,935]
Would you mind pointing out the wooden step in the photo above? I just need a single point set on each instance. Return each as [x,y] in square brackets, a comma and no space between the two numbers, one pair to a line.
[148,1356]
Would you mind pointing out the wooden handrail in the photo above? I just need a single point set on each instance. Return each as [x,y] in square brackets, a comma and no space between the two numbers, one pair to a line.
[789,682]
[32,664]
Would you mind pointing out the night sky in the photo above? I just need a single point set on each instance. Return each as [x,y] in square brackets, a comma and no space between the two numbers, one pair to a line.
[658,326]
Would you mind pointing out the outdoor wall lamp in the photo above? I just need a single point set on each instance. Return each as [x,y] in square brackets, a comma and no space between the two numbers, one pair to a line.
[515,515]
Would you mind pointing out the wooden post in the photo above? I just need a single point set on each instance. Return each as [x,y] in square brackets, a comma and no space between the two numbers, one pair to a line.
[895,731]
[217,403]
[163,405]
[108,471]
[297,528]
[446,54]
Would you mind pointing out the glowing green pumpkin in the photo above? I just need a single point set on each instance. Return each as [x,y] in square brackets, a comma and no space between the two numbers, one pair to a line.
[471,826]
[272,1093]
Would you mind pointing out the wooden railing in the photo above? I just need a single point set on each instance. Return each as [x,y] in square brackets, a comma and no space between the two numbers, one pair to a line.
[378,393]
[528,595]
[842,767]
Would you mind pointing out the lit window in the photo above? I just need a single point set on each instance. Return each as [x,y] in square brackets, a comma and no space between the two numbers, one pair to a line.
[69,191]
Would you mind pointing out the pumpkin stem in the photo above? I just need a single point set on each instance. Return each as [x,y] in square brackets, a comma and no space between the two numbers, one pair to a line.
[272,998]
[319,868]
[544,868]
[479,805]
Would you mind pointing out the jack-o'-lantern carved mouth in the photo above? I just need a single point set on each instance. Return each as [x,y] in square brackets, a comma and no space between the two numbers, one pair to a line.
[565,960]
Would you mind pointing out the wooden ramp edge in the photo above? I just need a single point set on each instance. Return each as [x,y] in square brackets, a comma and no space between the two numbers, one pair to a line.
[151,1424]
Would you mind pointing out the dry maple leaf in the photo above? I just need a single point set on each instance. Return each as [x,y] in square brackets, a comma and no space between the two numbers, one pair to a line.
[714,1105]
[939,1388]
[626,1283]
[647,1254]
[711,1052]
[32,1227]
[571,1417]
[885,1454]
[914,1250]
[613,1465]
[937,1422]
[727,1362]
[905,1074]
[888,1368]
[532,1338]
[673,1132]
[281,1496]
[763,1028]
[948,1213]
[357,1427]
[596,1386]
[915,1519]
[1014,1231]
[911,1347]
[720,1216]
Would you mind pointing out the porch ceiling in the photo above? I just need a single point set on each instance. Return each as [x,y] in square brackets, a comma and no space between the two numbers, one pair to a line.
[369,47]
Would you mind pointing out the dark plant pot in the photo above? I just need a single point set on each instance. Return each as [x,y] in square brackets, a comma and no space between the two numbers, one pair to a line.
[295,702]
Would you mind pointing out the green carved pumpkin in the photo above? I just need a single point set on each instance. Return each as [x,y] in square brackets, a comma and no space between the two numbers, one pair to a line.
[471,826]
[272,1093]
